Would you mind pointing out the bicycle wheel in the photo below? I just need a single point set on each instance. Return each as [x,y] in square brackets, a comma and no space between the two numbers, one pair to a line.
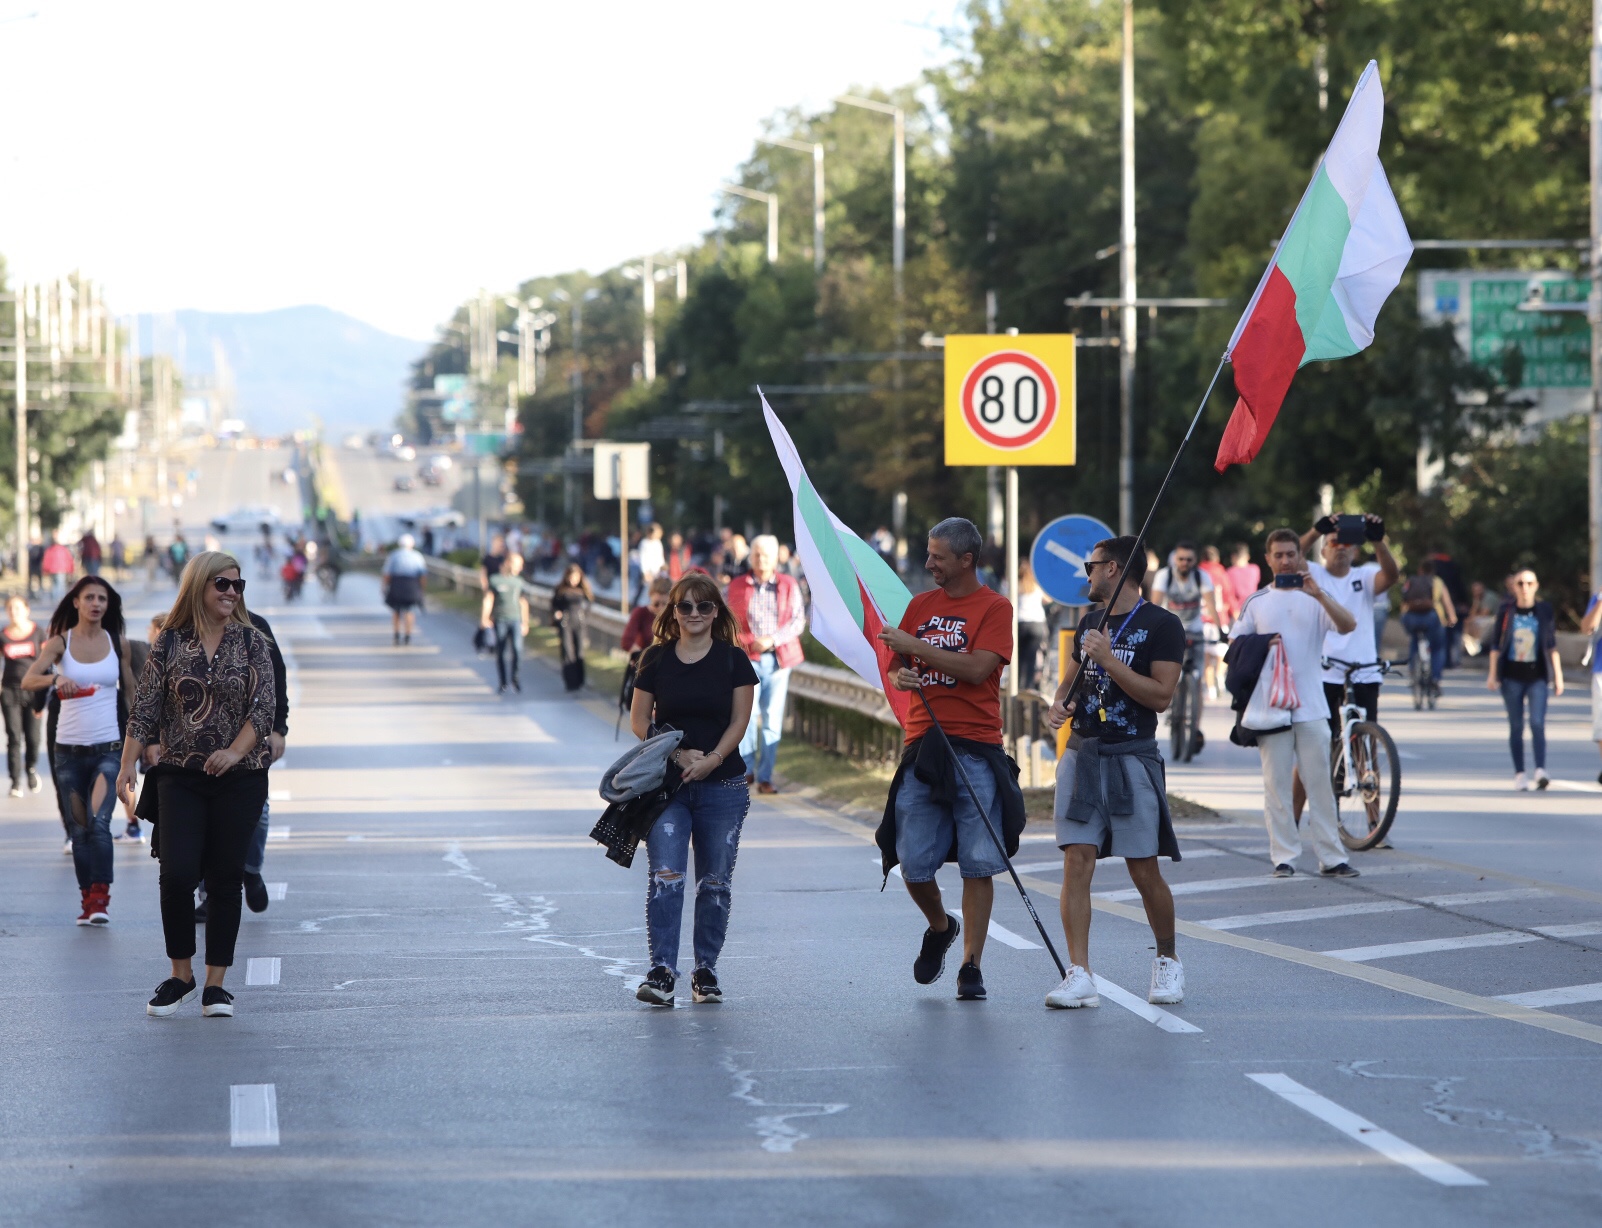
[1418,679]
[1364,816]
[1179,722]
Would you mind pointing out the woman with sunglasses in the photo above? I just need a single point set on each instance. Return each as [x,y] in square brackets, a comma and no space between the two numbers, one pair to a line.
[1524,662]
[90,660]
[696,678]
[207,697]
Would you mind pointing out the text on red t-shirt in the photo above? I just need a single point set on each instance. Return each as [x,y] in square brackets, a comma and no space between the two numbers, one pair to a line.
[979,622]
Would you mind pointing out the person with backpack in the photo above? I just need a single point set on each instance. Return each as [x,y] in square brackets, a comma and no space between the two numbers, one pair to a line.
[88,708]
[208,699]
[1524,664]
[1427,611]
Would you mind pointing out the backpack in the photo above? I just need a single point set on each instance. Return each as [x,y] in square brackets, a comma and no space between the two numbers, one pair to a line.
[1418,594]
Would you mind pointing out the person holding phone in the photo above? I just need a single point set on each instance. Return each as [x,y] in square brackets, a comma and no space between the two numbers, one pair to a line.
[1295,608]
[697,679]
[1355,586]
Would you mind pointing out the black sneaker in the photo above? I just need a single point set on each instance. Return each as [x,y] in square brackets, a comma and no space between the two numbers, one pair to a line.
[215,1000]
[170,995]
[704,986]
[1284,870]
[931,961]
[657,987]
[255,893]
[970,984]
[1344,870]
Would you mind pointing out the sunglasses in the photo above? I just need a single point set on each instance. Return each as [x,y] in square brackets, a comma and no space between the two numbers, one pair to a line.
[222,584]
[704,608]
[1092,564]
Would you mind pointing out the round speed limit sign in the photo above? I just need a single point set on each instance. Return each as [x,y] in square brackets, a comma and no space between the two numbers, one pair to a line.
[1010,400]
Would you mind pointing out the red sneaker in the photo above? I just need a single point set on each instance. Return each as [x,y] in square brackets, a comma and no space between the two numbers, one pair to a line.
[99,901]
[85,916]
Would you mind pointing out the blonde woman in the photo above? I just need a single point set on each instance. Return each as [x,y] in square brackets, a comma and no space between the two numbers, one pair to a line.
[696,678]
[207,698]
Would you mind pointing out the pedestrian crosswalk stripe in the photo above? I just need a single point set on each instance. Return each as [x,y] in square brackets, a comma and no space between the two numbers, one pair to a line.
[1577,930]
[277,891]
[253,1115]
[263,970]
[278,833]
[1151,1014]
[1428,946]
[1483,897]
[1248,920]
[1364,1131]
[1200,886]
[1567,995]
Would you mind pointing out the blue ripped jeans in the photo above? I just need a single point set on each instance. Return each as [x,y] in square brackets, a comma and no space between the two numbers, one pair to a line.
[77,768]
[709,815]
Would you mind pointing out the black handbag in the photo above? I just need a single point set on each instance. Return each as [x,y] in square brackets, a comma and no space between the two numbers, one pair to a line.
[482,643]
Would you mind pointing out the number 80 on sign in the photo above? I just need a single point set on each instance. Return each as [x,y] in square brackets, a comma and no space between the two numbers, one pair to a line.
[1010,400]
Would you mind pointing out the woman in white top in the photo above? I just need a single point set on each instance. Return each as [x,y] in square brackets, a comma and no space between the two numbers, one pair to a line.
[88,655]
[1031,626]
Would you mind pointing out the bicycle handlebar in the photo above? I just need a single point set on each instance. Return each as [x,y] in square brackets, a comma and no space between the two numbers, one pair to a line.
[1352,667]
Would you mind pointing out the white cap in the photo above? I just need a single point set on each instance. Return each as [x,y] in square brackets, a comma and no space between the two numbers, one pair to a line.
[407,542]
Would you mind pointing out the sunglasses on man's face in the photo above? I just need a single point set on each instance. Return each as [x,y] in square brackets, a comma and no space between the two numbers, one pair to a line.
[1092,564]
[222,584]
[704,608]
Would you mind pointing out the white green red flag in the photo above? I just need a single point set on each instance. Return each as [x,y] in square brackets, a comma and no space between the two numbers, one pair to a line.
[855,593]
[1341,256]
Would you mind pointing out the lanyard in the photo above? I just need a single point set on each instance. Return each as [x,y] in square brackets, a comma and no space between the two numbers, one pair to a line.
[1100,673]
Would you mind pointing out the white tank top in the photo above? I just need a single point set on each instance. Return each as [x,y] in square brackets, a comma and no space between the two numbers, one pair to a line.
[92,719]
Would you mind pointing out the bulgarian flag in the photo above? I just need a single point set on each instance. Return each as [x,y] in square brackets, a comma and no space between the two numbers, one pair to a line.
[1339,260]
[855,594]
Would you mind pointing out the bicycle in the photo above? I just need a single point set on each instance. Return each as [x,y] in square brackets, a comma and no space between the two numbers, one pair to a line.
[1425,689]
[1184,713]
[1365,770]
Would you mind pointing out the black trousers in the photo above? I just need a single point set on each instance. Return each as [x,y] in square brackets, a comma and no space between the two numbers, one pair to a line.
[1364,694]
[22,732]
[204,834]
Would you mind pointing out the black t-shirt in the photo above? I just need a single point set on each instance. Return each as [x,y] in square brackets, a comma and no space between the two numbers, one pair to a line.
[20,654]
[698,698]
[1152,634]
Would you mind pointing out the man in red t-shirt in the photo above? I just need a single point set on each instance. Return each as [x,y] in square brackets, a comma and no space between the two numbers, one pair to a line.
[955,639]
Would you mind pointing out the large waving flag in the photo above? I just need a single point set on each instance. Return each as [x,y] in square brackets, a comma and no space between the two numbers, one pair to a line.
[855,594]
[1340,258]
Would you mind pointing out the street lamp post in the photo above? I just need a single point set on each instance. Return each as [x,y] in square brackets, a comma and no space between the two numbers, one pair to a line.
[647,274]
[772,201]
[577,302]
[1595,304]
[816,150]
[1126,278]
[898,241]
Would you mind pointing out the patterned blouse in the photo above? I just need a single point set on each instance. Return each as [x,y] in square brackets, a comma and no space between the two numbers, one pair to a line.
[194,707]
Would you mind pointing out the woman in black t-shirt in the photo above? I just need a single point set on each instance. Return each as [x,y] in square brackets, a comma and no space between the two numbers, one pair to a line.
[22,640]
[695,678]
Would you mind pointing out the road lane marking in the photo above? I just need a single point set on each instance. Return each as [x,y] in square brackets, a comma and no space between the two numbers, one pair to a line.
[1428,946]
[1201,886]
[1016,941]
[1577,930]
[1567,995]
[1139,1006]
[263,970]
[1243,921]
[278,795]
[1577,786]
[1483,897]
[253,1115]
[277,891]
[278,833]
[1364,1131]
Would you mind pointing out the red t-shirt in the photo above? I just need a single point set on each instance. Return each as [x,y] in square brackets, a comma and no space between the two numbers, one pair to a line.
[981,621]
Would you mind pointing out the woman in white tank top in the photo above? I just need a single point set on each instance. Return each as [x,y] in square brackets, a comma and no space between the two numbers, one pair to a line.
[87,655]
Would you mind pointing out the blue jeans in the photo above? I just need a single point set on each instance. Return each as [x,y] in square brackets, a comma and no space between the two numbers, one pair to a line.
[257,856]
[508,642]
[76,770]
[1428,624]
[709,814]
[926,830]
[1514,693]
[773,684]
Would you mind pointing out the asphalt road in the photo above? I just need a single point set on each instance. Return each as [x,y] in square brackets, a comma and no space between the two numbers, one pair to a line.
[442,1029]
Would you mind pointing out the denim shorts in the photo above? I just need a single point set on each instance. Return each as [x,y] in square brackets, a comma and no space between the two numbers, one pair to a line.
[924,829]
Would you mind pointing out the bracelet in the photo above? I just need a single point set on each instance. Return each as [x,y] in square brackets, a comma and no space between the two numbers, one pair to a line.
[719,755]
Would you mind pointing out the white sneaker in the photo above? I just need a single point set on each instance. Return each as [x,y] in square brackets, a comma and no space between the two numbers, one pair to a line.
[1541,778]
[1167,981]
[66,849]
[1077,989]
[1520,783]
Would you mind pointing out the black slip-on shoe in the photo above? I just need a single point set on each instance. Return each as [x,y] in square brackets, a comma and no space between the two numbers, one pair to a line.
[931,961]
[1284,870]
[255,893]
[970,984]
[216,1001]
[170,995]
[1344,870]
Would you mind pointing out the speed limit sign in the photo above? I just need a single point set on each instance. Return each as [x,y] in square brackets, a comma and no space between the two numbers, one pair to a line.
[1010,400]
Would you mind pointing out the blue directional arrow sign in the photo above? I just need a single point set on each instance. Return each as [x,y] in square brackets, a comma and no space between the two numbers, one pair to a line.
[1058,557]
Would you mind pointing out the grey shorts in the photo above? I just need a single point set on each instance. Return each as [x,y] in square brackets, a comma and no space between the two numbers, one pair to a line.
[1133,835]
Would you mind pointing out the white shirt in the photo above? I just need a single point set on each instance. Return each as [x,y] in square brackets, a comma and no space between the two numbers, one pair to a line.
[653,559]
[1184,597]
[1032,606]
[1353,592]
[1301,623]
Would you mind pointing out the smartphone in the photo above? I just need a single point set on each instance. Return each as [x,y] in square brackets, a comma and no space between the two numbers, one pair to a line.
[1293,580]
[1350,530]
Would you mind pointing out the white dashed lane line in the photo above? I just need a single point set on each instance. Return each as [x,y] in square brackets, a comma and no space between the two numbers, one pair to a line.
[253,1115]
[1243,921]
[1139,1006]
[1364,1131]
[263,970]
[1428,946]
[277,891]
[1483,897]
[1567,995]
[278,833]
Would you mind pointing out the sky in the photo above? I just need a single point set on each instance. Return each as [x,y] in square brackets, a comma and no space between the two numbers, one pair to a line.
[387,159]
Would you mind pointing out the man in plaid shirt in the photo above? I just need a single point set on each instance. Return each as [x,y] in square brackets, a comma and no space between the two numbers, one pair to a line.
[772,617]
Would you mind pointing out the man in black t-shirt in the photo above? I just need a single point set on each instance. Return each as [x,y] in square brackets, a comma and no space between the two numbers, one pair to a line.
[1112,798]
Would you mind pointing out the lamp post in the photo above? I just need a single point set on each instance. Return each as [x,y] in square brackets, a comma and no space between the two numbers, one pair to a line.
[816,150]
[1126,280]
[577,302]
[1595,304]
[898,249]
[647,274]
[772,201]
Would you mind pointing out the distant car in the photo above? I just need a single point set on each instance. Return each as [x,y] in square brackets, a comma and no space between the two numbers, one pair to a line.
[403,452]
[430,475]
[439,461]
[247,520]
[405,481]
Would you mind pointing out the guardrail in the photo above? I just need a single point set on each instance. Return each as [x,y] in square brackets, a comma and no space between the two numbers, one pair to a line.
[831,708]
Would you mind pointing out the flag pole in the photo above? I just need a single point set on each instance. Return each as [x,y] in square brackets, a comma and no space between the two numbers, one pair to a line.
[1140,538]
[995,836]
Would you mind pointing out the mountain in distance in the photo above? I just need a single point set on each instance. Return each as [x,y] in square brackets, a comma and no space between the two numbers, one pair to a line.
[289,365]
